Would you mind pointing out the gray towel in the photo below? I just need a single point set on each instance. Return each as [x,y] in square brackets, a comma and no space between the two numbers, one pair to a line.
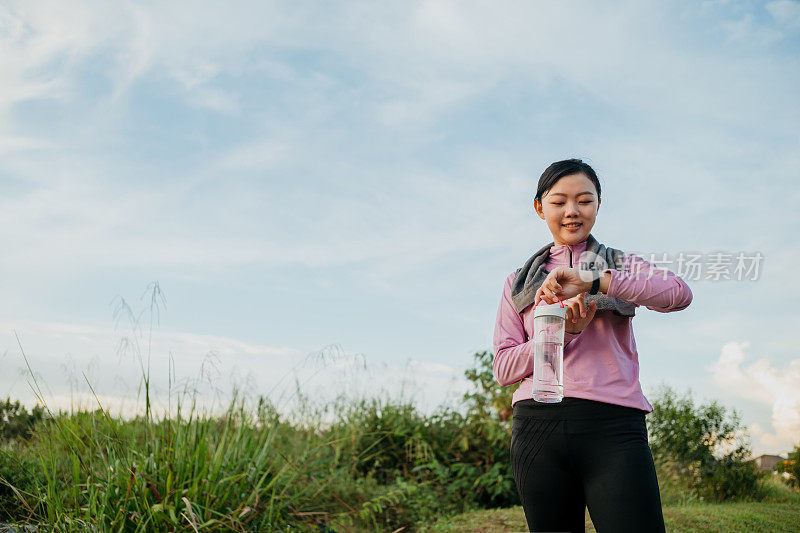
[597,257]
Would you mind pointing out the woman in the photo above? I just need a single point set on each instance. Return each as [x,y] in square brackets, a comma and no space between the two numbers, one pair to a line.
[591,448]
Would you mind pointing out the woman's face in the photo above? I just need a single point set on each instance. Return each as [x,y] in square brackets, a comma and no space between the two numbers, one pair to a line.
[569,208]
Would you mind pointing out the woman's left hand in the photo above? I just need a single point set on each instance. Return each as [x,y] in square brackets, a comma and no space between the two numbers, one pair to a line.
[563,283]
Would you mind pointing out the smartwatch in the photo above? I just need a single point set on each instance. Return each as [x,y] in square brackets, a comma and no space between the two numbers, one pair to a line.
[595,282]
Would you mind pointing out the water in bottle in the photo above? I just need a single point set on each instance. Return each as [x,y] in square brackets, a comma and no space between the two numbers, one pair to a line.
[548,353]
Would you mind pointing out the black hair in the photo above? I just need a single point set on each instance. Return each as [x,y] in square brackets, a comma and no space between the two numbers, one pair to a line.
[559,169]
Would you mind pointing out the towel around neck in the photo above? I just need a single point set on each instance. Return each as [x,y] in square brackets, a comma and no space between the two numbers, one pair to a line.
[596,257]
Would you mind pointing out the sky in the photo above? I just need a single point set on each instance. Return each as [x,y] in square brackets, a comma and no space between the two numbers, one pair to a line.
[323,200]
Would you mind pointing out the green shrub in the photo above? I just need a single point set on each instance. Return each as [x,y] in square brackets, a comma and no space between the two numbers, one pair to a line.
[791,466]
[702,448]
[15,420]
[775,489]
[19,478]
[378,465]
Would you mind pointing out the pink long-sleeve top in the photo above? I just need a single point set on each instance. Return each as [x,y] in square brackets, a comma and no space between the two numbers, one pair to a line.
[601,362]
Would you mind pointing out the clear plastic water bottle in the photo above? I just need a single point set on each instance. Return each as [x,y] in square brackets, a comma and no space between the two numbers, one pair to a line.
[548,352]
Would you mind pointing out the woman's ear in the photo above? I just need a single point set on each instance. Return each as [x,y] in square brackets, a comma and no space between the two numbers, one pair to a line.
[537,206]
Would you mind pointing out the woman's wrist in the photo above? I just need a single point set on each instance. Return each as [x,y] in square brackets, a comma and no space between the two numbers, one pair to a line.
[605,281]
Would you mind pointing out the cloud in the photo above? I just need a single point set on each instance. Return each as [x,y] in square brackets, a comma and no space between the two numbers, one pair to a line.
[786,12]
[760,381]
[67,358]
[258,154]
[419,61]
[41,45]
[18,143]
[401,141]
[367,65]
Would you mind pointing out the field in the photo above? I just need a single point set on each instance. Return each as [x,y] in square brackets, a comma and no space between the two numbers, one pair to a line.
[381,468]
[708,517]
[371,464]
[779,511]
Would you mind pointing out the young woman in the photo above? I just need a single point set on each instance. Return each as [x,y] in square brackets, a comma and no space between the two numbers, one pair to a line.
[591,448]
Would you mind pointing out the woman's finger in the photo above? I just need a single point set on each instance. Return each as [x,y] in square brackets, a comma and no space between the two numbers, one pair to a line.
[552,280]
[539,296]
[572,315]
[553,297]
[582,304]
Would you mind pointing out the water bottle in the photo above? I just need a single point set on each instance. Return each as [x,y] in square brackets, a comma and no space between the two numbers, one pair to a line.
[548,352]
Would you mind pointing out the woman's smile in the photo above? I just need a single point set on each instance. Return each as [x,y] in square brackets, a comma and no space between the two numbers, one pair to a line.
[570,208]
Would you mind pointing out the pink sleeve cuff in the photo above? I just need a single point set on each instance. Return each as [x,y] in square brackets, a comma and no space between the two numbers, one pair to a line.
[612,285]
[569,337]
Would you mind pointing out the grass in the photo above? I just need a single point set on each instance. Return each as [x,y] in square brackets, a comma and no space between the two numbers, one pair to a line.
[744,517]
[779,512]
[134,476]
[379,465]
[378,468]
[249,470]
[376,465]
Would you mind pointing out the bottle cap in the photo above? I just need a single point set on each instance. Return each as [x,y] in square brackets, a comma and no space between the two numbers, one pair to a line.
[542,309]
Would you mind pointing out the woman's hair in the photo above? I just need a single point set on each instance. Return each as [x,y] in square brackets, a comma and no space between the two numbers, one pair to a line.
[559,169]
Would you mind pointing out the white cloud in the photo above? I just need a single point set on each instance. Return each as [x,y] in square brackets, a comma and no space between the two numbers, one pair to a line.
[748,30]
[760,381]
[13,144]
[424,59]
[258,154]
[415,64]
[42,42]
[354,82]
[64,357]
[785,11]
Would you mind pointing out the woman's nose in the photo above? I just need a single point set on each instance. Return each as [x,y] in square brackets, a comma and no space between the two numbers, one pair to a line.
[572,209]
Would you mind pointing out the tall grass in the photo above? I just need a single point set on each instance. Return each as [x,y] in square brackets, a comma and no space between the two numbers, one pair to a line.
[246,470]
[382,466]
[377,465]
[368,464]
[187,470]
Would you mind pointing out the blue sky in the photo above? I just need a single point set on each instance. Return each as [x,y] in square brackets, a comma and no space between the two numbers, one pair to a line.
[355,179]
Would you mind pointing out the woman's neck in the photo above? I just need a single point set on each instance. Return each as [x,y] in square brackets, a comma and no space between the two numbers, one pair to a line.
[556,243]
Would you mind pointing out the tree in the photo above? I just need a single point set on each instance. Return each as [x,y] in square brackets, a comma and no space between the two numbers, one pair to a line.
[487,396]
[791,466]
[702,446]
[486,434]
[16,421]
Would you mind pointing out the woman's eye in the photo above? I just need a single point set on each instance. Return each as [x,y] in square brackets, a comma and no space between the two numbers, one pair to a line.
[586,202]
[557,203]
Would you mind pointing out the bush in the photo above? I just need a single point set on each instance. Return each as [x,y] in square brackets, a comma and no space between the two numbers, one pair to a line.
[380,465]
[18,474]
[702,448]
[19,477]
[16,422]
[791,466]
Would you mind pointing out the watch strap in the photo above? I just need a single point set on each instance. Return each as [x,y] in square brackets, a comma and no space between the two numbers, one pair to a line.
[595,283]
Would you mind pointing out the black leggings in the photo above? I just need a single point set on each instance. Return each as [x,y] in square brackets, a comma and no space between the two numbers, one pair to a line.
[579,452]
